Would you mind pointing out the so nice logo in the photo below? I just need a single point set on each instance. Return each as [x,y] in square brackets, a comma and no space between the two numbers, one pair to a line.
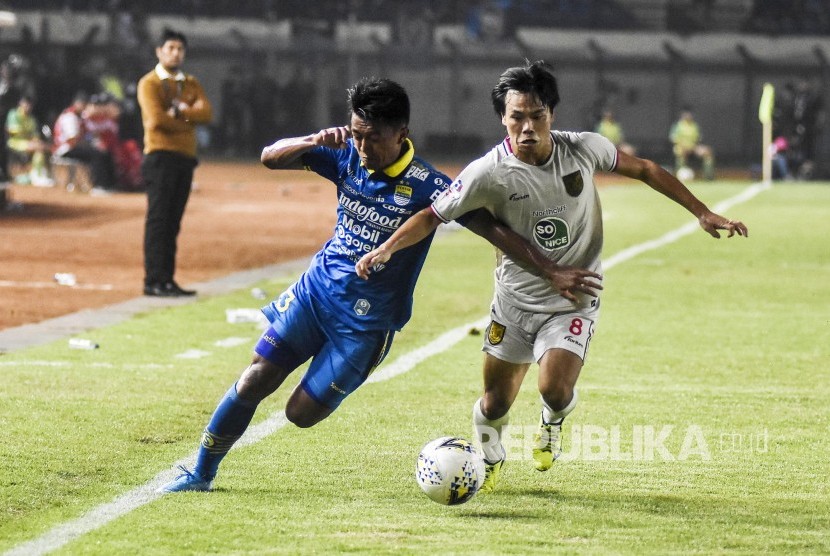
[552,233]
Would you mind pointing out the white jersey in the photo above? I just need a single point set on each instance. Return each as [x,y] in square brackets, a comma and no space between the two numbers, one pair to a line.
[554,206]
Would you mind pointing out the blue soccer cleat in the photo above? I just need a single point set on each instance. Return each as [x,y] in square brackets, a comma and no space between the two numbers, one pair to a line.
[187,481]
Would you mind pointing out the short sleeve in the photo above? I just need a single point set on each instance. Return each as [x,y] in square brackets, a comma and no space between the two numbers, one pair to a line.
[600,149]
[471,190]
[324,161]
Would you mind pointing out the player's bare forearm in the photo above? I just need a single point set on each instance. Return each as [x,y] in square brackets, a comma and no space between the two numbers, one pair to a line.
[411,232]
[565,279]
[656,177]
[484,224]
[286,153]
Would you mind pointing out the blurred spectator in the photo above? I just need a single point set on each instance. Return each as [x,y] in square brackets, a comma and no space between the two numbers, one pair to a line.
[234,125]
[9,96]
[69,140]
[611,129]
[685,137]
[780,159]
[807,119]
[101,119]
[27,149]
[15,82]
[129,123]
[486,20]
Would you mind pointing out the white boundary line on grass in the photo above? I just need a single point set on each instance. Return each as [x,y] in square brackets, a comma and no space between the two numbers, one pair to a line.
[99,516]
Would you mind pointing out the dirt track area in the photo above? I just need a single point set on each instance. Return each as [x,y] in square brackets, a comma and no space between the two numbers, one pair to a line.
[240,216]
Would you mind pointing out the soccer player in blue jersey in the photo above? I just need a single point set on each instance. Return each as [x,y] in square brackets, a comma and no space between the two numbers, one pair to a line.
[344,324]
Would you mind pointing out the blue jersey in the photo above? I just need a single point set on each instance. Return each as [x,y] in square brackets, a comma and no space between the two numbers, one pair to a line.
[370,207]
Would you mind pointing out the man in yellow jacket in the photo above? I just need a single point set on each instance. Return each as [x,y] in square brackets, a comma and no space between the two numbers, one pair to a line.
[172,105]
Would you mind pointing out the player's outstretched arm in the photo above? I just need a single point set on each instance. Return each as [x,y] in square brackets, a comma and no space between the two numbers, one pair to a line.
[660,180]
[566,279]
[411,232]
[285,154]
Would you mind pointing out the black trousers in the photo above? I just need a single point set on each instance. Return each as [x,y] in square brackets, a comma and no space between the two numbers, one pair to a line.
[167,177]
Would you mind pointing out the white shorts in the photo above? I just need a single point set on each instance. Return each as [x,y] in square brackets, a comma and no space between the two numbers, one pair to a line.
[518,336]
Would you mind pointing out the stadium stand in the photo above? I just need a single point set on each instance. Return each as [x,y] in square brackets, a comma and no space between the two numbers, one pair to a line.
[642,58]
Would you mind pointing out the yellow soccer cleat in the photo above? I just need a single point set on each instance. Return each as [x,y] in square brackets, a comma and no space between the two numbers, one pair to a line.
[491,476]
[547,444]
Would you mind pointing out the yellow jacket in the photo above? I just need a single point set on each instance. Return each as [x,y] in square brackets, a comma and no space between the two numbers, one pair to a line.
[157,92]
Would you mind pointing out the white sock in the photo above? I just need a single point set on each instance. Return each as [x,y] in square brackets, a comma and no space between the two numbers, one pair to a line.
[549,415]
[488,433]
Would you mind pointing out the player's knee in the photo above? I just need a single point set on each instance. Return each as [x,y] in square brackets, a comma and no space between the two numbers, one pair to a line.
[302,417]
[303,411]
[259,380]
[558,395]
[494,406]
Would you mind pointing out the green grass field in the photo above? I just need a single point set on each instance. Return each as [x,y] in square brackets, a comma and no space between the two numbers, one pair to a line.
[702,425]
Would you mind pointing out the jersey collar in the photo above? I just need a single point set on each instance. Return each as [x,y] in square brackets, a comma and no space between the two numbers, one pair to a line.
[397,167]
[508,148]
[164,74]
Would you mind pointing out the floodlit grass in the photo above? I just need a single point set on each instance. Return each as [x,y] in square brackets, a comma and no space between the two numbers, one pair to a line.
[702,426]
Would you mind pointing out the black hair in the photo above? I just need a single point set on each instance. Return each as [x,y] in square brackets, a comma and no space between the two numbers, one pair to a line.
[380,102]
[171,35]
[534,77]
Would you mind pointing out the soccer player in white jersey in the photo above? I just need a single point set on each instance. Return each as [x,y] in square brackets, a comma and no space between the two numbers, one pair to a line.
[540,183]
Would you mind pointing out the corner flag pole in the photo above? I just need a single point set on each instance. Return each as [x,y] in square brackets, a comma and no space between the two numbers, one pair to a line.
[765,116]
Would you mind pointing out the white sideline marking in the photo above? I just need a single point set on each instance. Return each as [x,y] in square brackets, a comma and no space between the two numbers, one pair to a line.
[233,341]
[96,518]
[689,228]
[192,354]
[93,364]
[53,285]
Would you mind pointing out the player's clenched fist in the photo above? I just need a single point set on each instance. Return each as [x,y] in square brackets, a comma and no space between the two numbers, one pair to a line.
[369,260]
[332,137]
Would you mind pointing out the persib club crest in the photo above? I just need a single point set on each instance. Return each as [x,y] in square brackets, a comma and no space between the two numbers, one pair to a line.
[403,194]
[573,183]
[552,233]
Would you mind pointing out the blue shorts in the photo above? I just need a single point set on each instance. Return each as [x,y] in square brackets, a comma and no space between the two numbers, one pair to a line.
[342,358]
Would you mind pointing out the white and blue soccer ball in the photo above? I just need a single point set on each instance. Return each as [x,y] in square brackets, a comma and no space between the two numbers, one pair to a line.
[449,470]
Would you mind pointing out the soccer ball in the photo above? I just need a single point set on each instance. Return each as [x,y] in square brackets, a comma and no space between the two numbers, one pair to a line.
[684,173]
[449,470]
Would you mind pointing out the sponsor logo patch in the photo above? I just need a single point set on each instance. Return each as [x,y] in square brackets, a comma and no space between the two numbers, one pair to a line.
[573,340]
[551,233]
[518,197]
[495,333]
[417,172]
[362,307]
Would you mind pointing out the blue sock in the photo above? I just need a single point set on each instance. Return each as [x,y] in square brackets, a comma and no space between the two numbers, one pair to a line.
[229,421]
